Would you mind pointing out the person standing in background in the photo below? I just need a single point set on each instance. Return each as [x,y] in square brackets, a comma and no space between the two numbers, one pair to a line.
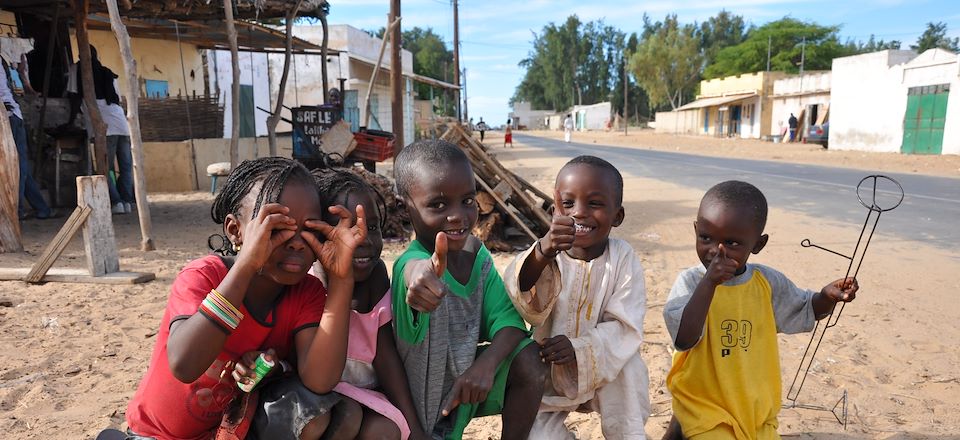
[567,129]
[122,196]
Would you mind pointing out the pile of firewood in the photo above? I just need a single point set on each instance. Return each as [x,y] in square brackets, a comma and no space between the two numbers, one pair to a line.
[396,221]
[512,211]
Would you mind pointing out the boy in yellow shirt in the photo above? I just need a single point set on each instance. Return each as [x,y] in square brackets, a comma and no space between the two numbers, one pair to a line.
[724,316]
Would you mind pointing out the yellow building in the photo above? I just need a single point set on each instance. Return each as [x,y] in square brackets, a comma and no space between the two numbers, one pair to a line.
[734,106]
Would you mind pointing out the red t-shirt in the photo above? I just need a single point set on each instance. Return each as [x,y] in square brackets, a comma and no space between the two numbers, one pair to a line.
[165,408]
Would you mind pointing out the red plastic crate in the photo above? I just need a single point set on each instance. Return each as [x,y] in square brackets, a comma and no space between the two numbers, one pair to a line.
[373,145]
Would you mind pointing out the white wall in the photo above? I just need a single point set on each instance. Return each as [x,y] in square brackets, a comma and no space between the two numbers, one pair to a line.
[867,101]
[252,72]
[679,122]
[597,115]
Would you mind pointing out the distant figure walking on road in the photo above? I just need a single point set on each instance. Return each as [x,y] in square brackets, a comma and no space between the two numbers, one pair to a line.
[567,128]
[507,134]
[792,123]
[482,127]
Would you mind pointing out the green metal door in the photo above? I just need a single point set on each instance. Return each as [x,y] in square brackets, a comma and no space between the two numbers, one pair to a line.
[248,121]
[924,120]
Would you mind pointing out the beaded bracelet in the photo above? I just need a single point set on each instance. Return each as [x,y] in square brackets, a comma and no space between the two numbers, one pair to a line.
[220,310]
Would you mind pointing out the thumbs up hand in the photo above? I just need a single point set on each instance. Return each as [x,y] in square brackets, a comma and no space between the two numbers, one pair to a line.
[425,289]
[561,235]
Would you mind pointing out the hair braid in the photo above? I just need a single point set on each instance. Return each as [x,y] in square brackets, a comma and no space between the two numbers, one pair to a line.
[274,172]
[333,183]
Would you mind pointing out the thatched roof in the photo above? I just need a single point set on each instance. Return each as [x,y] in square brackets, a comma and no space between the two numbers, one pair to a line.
[176,9]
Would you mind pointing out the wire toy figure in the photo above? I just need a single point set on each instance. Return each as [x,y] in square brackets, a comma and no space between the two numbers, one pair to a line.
[867,195]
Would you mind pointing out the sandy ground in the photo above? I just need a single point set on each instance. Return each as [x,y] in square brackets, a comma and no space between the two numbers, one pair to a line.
[74,352]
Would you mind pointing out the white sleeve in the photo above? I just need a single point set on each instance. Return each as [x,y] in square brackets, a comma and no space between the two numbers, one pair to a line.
[680,295]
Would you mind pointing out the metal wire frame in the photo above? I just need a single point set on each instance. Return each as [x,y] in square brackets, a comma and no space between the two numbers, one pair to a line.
[874,210]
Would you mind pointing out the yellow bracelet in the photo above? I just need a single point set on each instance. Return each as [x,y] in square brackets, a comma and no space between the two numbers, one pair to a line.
[227,302]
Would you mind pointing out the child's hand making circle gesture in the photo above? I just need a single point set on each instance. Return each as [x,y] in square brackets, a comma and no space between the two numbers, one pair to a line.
[336,252]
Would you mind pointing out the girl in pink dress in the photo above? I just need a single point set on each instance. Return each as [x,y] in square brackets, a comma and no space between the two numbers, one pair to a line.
[373,376]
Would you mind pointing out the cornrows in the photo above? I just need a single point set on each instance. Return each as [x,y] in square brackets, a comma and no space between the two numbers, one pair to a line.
[333,183]
[274,172]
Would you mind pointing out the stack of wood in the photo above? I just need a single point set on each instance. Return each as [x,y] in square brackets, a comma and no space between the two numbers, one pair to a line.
[396,221]
[503,197]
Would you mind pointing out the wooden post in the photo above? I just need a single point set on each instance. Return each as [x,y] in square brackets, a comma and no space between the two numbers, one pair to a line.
[274,118]
[235,86]
[98,239]
[396,80]
[133,119]
[89,93]
[323,54]
[10,179]
[456,58]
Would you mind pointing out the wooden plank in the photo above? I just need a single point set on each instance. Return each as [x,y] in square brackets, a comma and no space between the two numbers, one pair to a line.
[98,239]
[525,199]
[536,191]
[58,244]
[506,208]
[10,240]
[67,275]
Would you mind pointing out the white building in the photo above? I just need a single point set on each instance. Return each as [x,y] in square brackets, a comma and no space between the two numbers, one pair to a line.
[524,115]
[805,96]
[353,55]
[896,101]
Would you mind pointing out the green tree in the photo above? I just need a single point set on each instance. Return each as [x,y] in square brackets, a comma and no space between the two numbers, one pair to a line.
[668,61]
[720,31]
[936,36]
[874,45]
[790,41]
[573,63]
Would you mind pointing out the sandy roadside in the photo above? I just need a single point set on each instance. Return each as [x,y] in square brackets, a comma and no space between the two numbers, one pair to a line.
[74,353]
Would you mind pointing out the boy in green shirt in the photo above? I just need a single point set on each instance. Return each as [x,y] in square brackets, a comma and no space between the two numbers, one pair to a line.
[448,298]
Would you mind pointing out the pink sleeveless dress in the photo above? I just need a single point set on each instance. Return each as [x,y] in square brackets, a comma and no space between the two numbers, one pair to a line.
[359,380]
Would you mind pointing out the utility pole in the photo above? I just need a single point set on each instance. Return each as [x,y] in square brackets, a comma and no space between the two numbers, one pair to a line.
[768,52]
[456,57]
[465,113]
[625,119]
[396,79]
[803,50]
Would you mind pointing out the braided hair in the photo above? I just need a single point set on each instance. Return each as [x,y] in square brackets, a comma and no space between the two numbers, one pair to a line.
[274,172]
[333,183]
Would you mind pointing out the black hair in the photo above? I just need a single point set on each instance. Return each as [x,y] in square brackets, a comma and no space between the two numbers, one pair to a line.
[422,157]
[602,165]
[333,183]
[740,195]
[274,172]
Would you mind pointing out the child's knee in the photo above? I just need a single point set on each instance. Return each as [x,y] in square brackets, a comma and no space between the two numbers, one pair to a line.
[315,428]
[376,426]
[527,368]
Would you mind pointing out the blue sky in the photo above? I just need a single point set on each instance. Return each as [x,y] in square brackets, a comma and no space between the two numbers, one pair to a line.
[495,34]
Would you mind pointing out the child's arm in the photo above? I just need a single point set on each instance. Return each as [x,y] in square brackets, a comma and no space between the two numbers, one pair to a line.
[393,380]
[533,277]
[474,384]
[322,351]
[195,342]
[844,289]
[695,313]
[558,239]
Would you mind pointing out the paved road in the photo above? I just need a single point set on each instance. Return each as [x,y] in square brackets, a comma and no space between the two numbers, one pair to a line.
[930,211]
